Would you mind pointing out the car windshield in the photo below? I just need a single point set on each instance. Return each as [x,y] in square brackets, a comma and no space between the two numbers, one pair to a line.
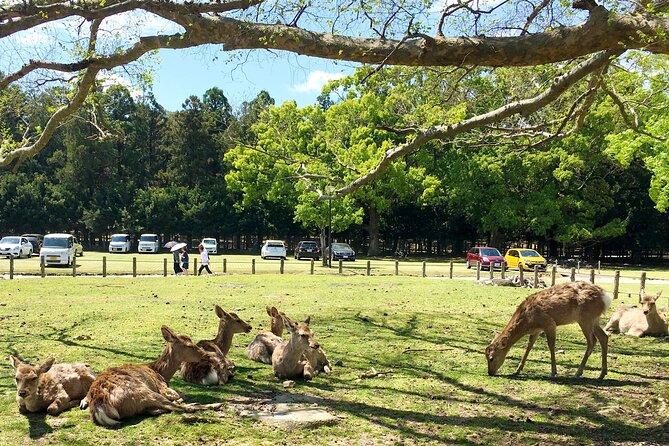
[10,240]
[118,238]
[529,253]
[341,246]
[147,238]
[490,252]
[309,245]
[209,241]
[53,242]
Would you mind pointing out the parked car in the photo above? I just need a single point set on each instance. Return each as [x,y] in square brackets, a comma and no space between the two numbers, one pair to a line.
[148,243]
[120,243]
[273,248]
[524,258]
[36,240]
[59,249]
[78,247]
[307,249]
[211,245]
[15,246]
[485,255]
[342,251]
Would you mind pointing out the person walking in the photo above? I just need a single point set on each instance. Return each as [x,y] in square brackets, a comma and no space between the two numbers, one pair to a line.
[184,261]
[177,262]
[204,260]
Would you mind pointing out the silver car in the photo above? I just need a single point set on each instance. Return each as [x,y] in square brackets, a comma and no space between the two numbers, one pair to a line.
[16,247]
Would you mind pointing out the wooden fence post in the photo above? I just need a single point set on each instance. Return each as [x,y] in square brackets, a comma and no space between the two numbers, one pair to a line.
[643,282]
[42,268]
[572,276]
[536,276]
[502,270]
[281,266]
[478,270]
[397,267]
[424,269]
[492,271]
[616,284]
[194,266]
[450,270]
[253,266]
[312,266]
[74,266]
[369,267]
[134,267]
[225,265]
[553,275]
[340,267]
[521,275]
[11,267]
[165,267]
[104,266]
[592,276]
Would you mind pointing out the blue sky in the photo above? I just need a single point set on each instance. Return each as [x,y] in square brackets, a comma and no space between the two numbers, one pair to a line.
[181,73]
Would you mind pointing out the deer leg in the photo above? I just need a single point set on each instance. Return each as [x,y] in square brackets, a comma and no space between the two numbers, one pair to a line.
[61,404]
[588,332]
[604,342]
[530,343]
[550,338]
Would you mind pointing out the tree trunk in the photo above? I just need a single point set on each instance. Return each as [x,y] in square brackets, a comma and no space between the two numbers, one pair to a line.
[324,241]
[373,229]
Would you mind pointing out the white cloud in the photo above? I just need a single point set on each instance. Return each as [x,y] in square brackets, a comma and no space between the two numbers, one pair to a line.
[316,81]
[108,79]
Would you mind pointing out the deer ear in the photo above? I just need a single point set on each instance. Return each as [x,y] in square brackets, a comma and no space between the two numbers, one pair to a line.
[268,310]
[290,325]
[168,334]
[46,366]
[16,362]
[274,312]
[219,312]
[307,320]
[658,294]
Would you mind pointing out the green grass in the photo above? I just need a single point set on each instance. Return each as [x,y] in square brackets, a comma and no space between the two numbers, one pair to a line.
[428,335]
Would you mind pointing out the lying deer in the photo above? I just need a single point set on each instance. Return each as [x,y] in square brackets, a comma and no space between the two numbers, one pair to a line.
[128,390]
[567,303]
[263,345]
[210,373]
[288,359]
[644,321]
[54,387]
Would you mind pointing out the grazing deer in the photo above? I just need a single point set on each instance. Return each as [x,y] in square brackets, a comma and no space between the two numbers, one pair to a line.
[262,347]
[644,321]
[128,390]
[210,373]
[288,358]
[54,387]
[566,303]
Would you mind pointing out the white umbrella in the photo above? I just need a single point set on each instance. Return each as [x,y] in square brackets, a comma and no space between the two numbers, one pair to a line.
[178,246]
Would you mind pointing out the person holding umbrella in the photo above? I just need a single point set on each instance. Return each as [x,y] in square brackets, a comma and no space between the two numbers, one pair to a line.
[176,253]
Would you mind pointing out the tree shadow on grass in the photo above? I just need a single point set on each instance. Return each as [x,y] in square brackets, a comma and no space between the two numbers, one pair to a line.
[37,425]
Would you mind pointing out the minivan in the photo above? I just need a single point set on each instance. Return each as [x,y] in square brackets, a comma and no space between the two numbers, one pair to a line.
[120,243]
[148,243]
[57,249]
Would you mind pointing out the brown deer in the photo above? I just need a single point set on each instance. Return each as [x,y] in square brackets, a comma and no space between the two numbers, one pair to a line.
[644,321]
[263,345]
[210,373]
[566,303]
[54,387]
[288,359]
[128,390]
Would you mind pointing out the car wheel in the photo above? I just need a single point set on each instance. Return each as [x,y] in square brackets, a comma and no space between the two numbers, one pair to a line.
[316,259]
[30,254]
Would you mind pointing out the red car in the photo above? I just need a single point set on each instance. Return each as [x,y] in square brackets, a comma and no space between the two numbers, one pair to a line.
[485,255]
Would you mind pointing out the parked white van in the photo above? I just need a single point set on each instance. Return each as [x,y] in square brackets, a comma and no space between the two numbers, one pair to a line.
[58,249]
[120,243]
[149,243]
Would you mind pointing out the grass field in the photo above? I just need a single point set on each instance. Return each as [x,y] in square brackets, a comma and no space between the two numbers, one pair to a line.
[427,335]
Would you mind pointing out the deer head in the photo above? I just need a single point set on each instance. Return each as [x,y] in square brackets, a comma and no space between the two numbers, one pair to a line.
[231,322]
[182,348]
[275,321]
[300,332]
[27,377]
[495,353]
[648,302]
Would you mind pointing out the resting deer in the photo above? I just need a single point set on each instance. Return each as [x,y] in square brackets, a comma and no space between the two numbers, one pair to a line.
[208,372]
[54,387]
[644,321]
[567,303]
[128,390]
[262,347]
[288,358]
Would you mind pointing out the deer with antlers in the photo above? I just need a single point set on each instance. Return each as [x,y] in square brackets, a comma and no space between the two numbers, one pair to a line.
[645,321]
[128,390]
[207,372]
[544,311]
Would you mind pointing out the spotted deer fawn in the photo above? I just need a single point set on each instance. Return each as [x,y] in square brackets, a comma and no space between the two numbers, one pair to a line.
[563,304]
[644,321]
[128,390]
[288,359]
[208,372]
[263,345]
[54,387]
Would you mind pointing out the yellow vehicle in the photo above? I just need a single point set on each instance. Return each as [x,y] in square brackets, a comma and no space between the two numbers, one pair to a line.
[524,258]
